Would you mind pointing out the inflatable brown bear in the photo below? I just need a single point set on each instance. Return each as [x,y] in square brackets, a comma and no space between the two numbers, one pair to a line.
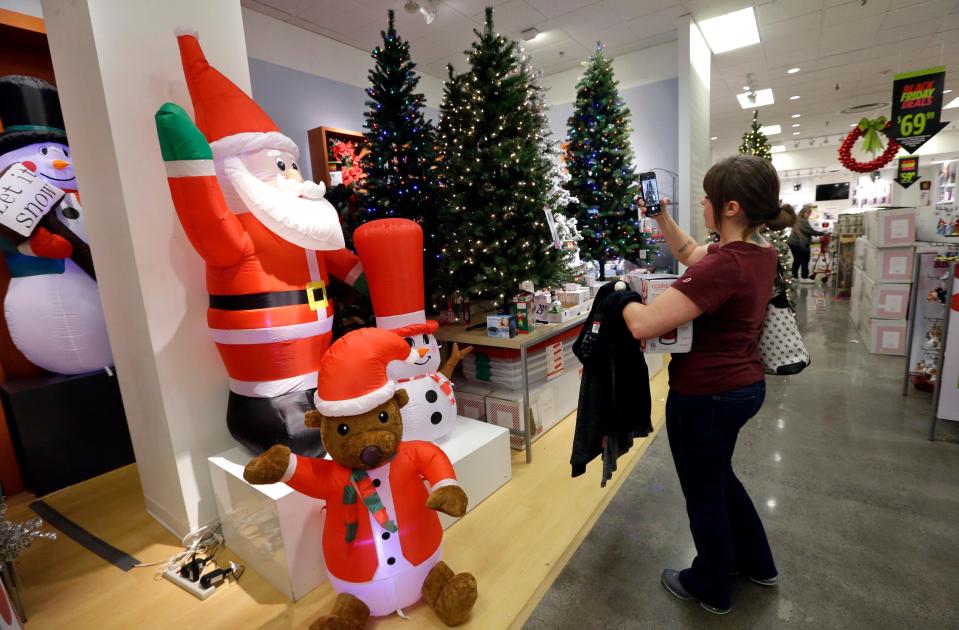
[381,541]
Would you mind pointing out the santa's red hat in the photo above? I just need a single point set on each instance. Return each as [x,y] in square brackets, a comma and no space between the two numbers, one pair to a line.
[352,377]
[231,121]
[391,251]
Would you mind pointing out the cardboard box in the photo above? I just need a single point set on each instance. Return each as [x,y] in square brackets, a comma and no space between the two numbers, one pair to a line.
[883,300]
[651,286]
[502,368]
[571,296]
[501,326]
[541,303]
[887,264]
[550,402]
[471,399]
[569,313]
[523,312]
[884,336]
[890,227]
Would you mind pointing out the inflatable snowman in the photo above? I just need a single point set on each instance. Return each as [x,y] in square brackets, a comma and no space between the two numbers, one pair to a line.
[52,306]
[391,251]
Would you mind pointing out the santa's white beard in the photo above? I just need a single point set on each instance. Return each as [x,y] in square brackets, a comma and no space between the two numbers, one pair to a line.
[311,223]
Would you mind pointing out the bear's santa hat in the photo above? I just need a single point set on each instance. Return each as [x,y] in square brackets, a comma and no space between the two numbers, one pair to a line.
[391,251]
[352,377]
[231,121]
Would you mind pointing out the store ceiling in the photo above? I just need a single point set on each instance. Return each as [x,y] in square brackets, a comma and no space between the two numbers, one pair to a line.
[847,50]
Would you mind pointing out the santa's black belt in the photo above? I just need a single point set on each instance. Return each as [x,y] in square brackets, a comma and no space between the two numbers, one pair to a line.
[314,294]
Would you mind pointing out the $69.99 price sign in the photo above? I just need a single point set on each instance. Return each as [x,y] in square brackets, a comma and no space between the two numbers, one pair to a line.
[917,107]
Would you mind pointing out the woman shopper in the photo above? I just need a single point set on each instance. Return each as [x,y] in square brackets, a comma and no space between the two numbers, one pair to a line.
[718,385]
[800,242]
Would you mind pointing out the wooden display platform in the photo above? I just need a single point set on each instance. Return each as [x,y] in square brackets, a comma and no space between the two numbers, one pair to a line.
[516,543]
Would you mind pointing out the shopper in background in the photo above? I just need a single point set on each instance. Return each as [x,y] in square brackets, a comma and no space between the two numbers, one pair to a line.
[800,242]
[719,385]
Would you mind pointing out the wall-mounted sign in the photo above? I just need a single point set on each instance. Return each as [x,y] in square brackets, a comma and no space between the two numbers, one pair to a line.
[908,172]
[917,107]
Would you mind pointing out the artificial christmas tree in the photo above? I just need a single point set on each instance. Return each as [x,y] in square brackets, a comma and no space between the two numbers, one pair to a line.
[496,183]
[600,162]
[755,142]
[400,181]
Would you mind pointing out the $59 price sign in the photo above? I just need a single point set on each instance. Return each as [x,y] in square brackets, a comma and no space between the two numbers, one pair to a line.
[917,107]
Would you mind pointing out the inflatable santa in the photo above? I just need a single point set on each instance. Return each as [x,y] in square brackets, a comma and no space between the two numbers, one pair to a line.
[392,255]
[268,238]
[52,305]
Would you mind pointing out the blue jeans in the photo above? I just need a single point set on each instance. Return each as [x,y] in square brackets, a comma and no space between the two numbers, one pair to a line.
[726,529]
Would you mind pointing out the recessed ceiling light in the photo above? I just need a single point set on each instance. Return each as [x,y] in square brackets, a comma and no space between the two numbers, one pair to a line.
[795,133]
[854,125]
[530,33]
[771,130]
[792,71]
[946,91]
[730,31]
[794,98]
[796,115]
[714,138]
[795,125]
[779,148]
[745,87]
[756,98]
[943,161]
[953,103]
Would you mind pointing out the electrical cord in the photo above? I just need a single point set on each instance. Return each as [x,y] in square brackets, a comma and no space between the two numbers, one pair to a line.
[203,541]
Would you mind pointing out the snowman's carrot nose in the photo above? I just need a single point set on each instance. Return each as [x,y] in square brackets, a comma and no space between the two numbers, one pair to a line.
[423,352]
[60,164]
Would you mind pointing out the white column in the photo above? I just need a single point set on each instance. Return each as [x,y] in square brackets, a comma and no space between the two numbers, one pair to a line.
[693,67]
[116,63]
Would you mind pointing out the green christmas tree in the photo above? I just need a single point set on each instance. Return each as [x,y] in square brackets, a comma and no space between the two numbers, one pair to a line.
[755,142]
[496,182]
[600,162]
[400,181]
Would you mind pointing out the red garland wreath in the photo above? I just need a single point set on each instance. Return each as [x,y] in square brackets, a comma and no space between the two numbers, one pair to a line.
[854,165]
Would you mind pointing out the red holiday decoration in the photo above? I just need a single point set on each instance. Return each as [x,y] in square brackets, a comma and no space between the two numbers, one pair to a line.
[854,165]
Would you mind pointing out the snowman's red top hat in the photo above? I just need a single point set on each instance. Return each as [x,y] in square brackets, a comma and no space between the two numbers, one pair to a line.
[391,251]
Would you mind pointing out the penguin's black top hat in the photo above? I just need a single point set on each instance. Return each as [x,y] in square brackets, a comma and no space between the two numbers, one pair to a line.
[29,113]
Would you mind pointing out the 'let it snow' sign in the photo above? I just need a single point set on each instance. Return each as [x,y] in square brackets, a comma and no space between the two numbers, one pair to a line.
[25,198]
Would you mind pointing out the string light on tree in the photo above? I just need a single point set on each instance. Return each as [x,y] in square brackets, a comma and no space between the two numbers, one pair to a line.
[599,157]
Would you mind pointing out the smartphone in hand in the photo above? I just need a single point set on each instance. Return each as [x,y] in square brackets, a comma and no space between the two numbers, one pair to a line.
[650,190]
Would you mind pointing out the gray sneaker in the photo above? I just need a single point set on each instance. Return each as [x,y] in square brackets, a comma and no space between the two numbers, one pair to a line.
[773,581]
[670,578]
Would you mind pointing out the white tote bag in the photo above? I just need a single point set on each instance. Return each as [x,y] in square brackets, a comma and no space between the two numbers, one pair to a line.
[781,348]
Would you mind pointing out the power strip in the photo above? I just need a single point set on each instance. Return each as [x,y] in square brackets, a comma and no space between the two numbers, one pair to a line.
[191,587]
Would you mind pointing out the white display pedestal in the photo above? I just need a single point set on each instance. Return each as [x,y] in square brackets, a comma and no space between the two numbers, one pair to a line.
[276,531]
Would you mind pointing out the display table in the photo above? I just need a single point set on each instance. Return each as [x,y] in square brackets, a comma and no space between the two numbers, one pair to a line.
[478,337]
[278,531]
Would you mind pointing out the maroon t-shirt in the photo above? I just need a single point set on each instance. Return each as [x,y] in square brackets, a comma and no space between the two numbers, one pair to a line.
[732,284]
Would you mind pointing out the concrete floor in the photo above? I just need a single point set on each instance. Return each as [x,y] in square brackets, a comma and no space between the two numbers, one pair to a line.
[862,511]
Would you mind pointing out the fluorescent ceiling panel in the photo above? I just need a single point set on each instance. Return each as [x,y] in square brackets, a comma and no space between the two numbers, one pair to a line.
[763,97]
[730,31]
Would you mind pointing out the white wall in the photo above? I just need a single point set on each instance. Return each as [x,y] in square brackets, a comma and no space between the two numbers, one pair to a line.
[650,65]
[283,44]
[30,7]
[116,63]
[694,61]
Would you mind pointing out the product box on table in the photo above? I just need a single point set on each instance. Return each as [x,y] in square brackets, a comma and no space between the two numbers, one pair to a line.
[569,313]
[890,227]
[523,312]
[650,286]
[887,264]
[501,326]
[541,303]
[938,224]
[573,295]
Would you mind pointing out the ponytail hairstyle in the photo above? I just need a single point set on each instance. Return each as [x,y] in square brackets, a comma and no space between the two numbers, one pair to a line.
[753,183]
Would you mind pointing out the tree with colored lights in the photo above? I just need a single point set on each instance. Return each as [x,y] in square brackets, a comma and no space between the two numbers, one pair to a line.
[755,142]
[496,181]
[599,158]
[400,181]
